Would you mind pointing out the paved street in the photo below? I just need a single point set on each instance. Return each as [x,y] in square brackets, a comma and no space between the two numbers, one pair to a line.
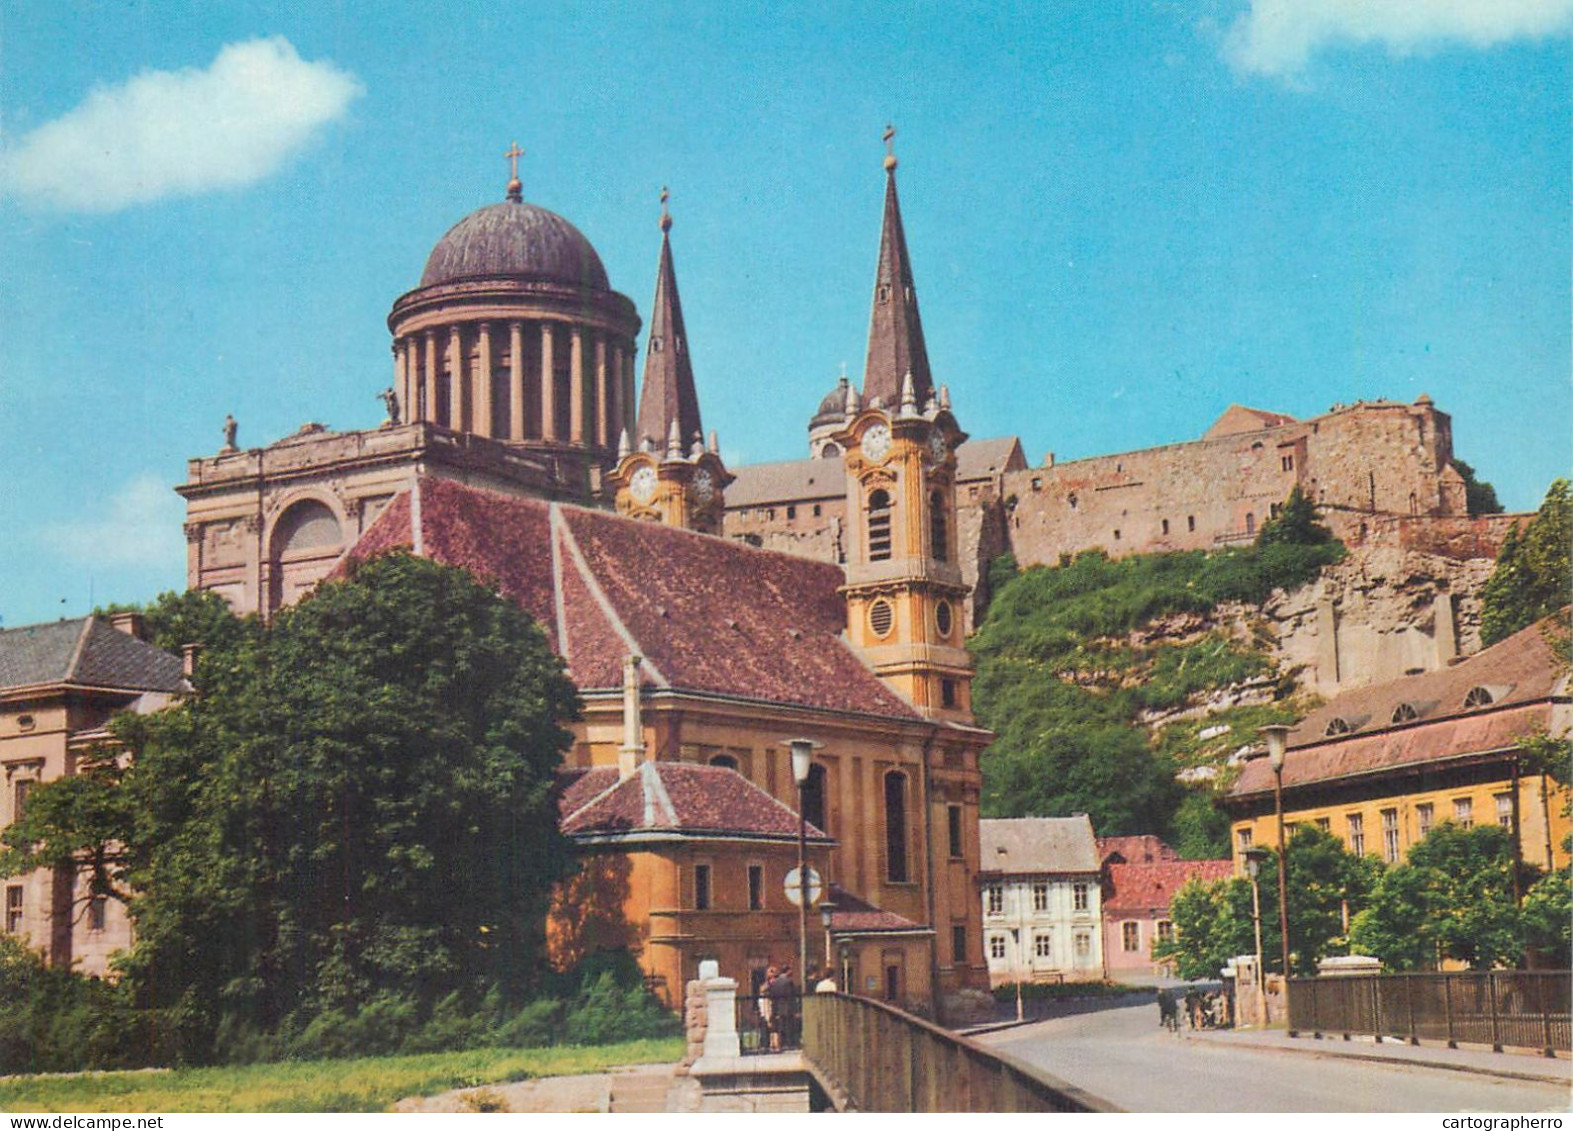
[1121,1055]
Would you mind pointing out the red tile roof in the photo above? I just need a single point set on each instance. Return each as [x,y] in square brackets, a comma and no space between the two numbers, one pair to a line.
[854,916]
[1135,849]
[708,615]
[1149,888]
[1522,675]
[666,799]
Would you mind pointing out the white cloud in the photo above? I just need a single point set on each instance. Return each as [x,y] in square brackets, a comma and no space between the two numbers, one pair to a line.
[1278,37]
[140,525]
[179,133]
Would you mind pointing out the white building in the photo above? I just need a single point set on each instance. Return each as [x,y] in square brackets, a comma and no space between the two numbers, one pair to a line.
[1041,899]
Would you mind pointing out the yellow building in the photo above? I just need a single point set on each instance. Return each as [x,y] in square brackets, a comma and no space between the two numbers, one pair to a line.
[1381,766]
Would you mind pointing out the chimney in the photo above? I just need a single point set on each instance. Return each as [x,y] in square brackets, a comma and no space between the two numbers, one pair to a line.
[130,623]
[631,753]
[188,659]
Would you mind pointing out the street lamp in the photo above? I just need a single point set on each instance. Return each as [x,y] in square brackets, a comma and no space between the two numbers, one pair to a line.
[1015,943]
[802,761]
[1277,737]
[1253,866]
[826,909]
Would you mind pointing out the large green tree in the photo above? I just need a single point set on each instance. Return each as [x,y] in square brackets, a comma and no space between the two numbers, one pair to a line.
[1533,576]
[1480,497]
[358,802]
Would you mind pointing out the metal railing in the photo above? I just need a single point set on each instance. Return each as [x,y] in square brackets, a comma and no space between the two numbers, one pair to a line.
[869,1056]
[769,1024]
[1517,1008]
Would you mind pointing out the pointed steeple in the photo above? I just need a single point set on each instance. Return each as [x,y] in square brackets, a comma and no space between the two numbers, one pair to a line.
[895,333]
[667,399]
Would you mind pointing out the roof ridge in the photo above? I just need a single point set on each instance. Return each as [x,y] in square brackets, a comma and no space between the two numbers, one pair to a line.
[616,782]
[81,646]
[559,601]
[598,595]
[650,778]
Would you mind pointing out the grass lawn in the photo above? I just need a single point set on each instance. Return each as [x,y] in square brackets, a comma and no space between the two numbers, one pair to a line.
[367,1084]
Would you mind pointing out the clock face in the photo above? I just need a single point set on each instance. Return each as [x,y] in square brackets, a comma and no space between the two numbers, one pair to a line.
[876,442]
[642,485]
[938,446]
[704,486]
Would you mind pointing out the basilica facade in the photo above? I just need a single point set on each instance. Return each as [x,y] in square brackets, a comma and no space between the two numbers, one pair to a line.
[518,446]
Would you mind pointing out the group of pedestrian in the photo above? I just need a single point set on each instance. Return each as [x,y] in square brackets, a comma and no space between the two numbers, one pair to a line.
[1202,1010]
[777,1002]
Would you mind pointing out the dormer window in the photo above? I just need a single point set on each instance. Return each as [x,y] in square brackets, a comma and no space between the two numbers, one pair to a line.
[657,345]
[1337,726]
[1478,697]
[1405,713]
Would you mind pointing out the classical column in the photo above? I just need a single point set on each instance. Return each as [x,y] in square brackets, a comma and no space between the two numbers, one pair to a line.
[456,395]
[515,381]
[629,403]
[483,382]
[429,401]
[603,409]
[548,381]
[576,385]
[614,381]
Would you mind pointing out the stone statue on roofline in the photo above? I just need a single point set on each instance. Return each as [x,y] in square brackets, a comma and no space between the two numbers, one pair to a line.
[230,428]
[390,402]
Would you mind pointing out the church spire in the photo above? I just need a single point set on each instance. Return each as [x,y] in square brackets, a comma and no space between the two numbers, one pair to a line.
[895,333]
[668,398]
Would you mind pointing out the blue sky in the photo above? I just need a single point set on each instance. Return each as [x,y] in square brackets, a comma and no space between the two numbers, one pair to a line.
[1123,217]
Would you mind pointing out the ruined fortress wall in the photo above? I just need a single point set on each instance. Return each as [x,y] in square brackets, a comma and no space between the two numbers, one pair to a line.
[1360,462]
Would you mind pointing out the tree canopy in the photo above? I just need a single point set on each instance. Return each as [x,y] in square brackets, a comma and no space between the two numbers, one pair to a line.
[1533,576]
[358,800]
[1480,497]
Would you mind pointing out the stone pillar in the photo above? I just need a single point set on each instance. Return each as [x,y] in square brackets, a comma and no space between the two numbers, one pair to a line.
[1445,631]
[576,385]
[721,1038]
[630,403]
[456,396]
[482,424]
[614,379]
[548,381]
[1326,642]
[429,401]
[603,409]
[515,381]
[401,381]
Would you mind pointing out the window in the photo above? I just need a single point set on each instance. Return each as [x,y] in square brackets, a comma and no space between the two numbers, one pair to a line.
[1288,463]
[1505,810]
[1357,833]
[816,510]
[1165,931]
[791,512]
[880,617]
[1405,713]
[1324,824]
[1464,812]
[953,827]
[997,946]
[1425,816]
[896,827]
[1043,944]
[947,693]
[958,944]
[1166,526]
[814,798]
[939,527]
[879,527]
[1131,937]
[726,761]
[13,909]
[943,620]
[20,790]
[1478,697]
[1250,523]
[756,887]
[701,887]
[1079,897]
[1390,835]
[96,913]
[1190,522]
[1242,840]
[1083,948]
[1040,897]
[995,896]
[1272,510]
[1116,535]
[1336,726]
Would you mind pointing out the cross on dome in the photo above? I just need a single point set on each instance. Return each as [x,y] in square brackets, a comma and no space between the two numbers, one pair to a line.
[515,186]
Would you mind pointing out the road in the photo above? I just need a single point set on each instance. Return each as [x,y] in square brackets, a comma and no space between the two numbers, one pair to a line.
[1121,1055]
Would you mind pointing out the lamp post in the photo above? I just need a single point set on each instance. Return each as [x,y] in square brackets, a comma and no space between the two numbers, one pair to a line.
[1277,737]
[826,909]
[1015,943]
[1253,866]
[802,761]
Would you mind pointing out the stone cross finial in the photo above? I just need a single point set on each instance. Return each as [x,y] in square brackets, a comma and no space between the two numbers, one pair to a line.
[666,217]
[515,187]
[889,138]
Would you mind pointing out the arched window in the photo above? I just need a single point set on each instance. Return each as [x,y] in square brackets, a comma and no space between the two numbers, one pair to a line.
[896,827]
[1478,697]
[308,525]
[725,760]
[814,798]
[939,526]
[1336,726]
[1405,713]
[830,451]
[1250,524]
[879,526]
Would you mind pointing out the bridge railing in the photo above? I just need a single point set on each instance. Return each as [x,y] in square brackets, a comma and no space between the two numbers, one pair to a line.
[1524,1009]
[869,1056]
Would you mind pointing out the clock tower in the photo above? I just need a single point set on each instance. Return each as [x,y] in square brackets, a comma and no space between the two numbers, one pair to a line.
[665,473]
[903,586]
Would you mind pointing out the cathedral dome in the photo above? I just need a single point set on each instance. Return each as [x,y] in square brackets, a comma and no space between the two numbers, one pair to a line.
[833,408]
[519,240]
